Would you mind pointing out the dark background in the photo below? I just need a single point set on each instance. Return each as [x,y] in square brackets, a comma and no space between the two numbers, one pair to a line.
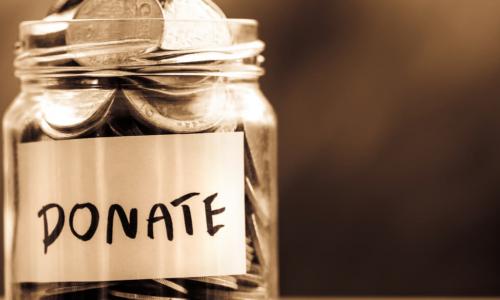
[389,140]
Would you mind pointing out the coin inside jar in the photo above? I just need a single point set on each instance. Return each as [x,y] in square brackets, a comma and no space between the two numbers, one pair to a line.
[61,112]
[179,112]
[147,28]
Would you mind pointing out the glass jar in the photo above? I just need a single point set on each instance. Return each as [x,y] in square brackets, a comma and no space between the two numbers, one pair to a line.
[138,173]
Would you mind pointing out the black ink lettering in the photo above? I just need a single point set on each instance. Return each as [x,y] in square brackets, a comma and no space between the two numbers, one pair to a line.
[129,227]
[211,229]
[169,227]
[49,239]
[184,198]
[94,221]
[188,220]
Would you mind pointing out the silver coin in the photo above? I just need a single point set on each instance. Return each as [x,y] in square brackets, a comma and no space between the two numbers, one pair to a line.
[126,295]
[250,250]
[253,280]
[236,295]
[257,290]
[249,263]
[179,112]
[67,288]
[255,269]
[76,133]
[60,135]
[258,240]
[143,24]
[182,82]
[177,287]
[223,281]
[62,112]
[208,30]
[250,259]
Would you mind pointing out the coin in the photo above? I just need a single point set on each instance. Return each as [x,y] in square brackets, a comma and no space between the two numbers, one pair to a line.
[258,240]
[76,288]
[116,25]
[222,281]
[61,135]
[208,28]
[249,249]
[253,280]
[181,82]
[67,288]
[151,288]
[126,295]
[179,112]
[236,295]
[255,269]
[62,112]
[177,287]
[77,132]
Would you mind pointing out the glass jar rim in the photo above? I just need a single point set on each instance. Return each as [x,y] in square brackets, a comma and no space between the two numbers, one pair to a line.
[233,21]
[43,49]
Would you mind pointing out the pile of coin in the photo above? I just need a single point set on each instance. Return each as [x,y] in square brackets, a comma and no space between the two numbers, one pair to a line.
[127,111]
[129,100]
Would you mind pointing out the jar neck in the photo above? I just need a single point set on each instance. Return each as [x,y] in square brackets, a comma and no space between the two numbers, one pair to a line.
[163,82]
[48,58]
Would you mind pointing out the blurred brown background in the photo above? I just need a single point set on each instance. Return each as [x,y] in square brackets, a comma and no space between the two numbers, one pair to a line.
[389,134]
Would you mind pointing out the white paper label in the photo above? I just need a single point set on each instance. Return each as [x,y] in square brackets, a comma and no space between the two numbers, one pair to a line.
[134,208]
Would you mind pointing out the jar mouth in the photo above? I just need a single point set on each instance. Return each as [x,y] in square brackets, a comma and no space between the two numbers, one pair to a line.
[137,46]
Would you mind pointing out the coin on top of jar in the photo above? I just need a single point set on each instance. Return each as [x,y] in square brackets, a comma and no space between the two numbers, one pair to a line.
[109,27]
[206,26]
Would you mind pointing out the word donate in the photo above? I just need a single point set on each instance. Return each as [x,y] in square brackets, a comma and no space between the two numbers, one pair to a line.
[158,213]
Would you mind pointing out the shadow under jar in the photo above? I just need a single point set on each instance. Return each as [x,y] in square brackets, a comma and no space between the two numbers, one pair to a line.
[150,174]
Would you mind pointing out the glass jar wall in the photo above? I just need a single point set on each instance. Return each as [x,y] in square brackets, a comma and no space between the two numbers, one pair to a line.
[139,174]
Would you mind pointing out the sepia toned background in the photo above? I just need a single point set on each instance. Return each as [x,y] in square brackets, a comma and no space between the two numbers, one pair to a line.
[389,140]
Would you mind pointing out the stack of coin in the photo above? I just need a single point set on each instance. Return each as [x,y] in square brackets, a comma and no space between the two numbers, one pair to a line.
[137,105]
